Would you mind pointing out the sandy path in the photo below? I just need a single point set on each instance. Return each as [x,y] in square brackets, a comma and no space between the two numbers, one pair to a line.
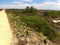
[5,31]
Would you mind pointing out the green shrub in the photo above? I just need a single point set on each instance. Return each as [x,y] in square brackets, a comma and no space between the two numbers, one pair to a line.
[40,25]
[52,14]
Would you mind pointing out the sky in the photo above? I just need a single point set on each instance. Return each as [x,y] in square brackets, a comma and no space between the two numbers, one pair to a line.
[39,4]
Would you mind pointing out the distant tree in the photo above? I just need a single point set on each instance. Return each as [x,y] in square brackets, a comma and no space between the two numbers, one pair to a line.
[33,10]
[30,10]
[27,9]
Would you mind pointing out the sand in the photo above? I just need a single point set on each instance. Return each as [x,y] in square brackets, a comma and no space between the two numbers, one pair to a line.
[5,31]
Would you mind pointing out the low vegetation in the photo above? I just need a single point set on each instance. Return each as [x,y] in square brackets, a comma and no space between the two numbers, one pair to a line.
[53,14]
[29,17]
[40,25]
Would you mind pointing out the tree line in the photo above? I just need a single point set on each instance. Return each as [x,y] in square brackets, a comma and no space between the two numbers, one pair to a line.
[33,11]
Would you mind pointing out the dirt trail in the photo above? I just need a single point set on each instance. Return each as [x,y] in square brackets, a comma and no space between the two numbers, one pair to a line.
[5,31]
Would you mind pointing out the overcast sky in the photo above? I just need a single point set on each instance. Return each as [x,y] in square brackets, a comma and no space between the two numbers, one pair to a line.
[39,4]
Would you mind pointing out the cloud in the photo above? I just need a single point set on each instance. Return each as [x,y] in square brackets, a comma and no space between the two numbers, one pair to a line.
[58,0]
[48,5]
[24,0]
[17,2]
[44,5]
[11,6]
[28,0]
[47,0]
